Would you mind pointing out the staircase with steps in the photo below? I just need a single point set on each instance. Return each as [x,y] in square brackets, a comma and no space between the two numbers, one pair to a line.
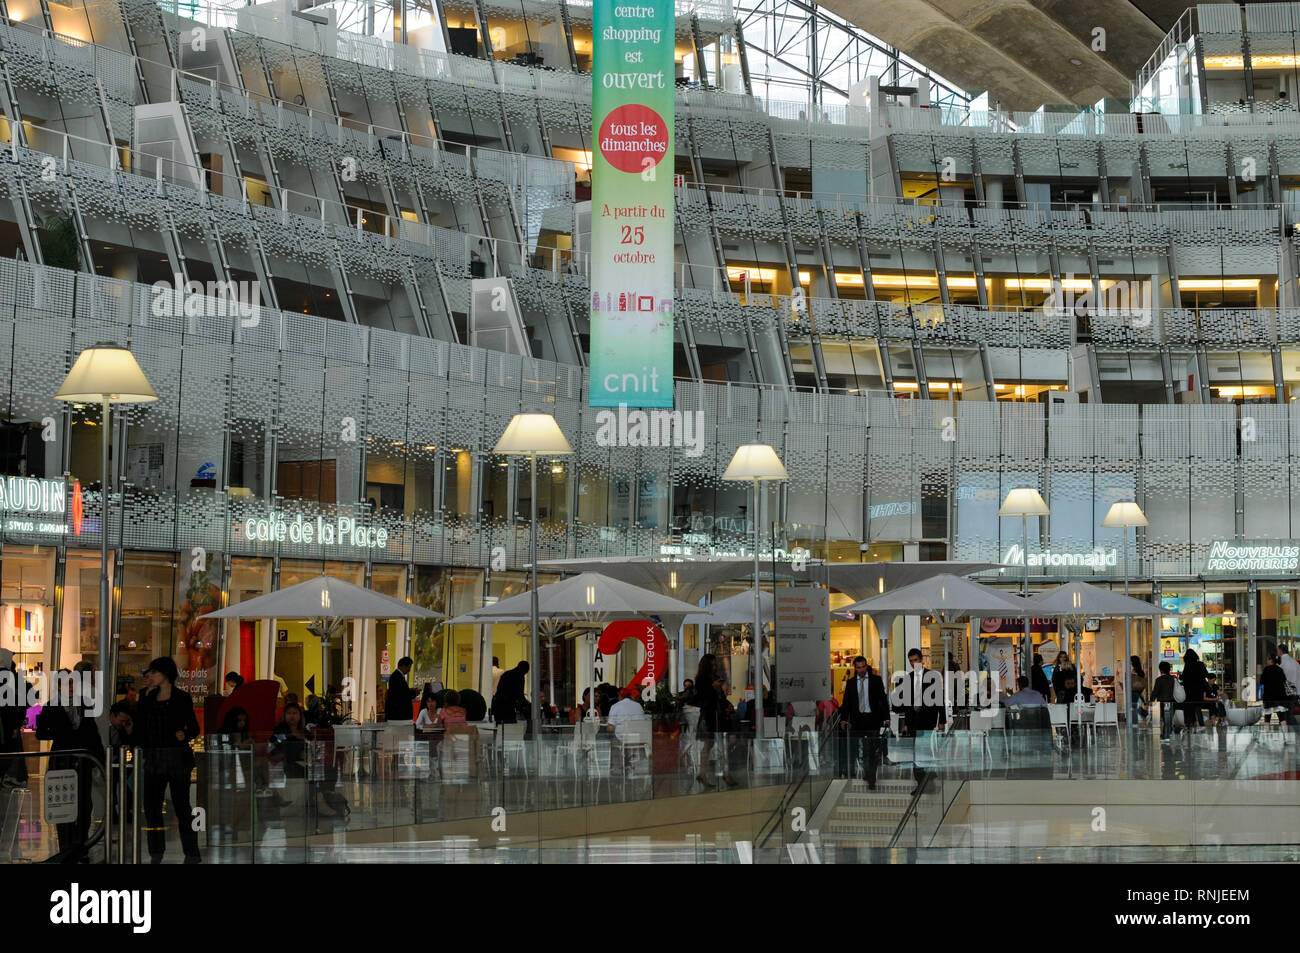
[866,818]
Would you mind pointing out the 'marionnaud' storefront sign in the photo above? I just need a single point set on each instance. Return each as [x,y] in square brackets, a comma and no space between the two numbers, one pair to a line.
[344,531]
[1225,556]
[35,498]
[1092,559]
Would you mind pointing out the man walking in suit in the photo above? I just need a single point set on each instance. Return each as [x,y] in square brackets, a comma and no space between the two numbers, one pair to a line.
[397,701]
[864,709]
[921,702]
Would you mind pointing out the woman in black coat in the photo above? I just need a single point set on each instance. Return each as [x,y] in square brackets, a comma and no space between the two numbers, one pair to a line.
[712,704]
[1195,678]
[71,727]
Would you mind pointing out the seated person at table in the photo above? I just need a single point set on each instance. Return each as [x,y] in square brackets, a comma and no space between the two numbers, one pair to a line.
[1025,696]
[452,714]
[627,709]
[1213,701]
[428,714]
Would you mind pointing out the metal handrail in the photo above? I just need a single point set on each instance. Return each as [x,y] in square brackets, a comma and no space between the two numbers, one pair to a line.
[912,805]
[773,822]
[75,852]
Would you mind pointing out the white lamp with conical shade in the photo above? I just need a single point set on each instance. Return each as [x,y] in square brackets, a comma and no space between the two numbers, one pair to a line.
[105,374]
[1025,501]
[1124,514]
[756,463]
[531,436]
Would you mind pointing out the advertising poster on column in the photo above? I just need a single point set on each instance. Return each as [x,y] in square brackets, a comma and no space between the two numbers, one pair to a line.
[803,645]
[632,205]
[198,592]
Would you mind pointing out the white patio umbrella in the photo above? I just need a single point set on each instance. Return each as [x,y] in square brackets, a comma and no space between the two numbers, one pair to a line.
[324,602]
[590,598]
[945,597]
[737,608]
[740,609]
[324,597]
[1076,601]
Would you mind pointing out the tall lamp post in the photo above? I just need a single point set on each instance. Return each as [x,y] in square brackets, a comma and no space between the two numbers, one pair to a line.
[531,436]
[1025,502]
[105,374]
[756,463]
[1124,515]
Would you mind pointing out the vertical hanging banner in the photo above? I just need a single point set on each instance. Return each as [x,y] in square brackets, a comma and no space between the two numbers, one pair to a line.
[632,204]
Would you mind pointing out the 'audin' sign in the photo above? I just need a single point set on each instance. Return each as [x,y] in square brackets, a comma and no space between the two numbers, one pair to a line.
[23,498]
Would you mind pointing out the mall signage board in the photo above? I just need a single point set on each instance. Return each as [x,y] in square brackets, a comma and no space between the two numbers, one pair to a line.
[32,505]
[632,204]
[275,528]
[1282,556]
[1097,558]
[803,644]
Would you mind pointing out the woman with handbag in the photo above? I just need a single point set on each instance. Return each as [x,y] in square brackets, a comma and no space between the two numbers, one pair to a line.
[712,703]
[1194,679]
[1138,686]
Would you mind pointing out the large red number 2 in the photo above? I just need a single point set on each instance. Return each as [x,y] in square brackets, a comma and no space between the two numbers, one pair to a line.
[649,635]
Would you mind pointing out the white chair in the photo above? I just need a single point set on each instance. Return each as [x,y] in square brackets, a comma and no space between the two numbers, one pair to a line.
[513,745]
[981,722]
[347,747]
[1081,714]
[487,745]
[635,741]
[394,734]
[767,756]
[1058,716]
[799,725]
[1106,715]
[456,755]
[688,746]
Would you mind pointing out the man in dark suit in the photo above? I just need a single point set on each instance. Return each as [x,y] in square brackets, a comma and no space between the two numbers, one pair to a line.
[511,698]
[1038,680]
[397,702]
[919,697]
[864,710]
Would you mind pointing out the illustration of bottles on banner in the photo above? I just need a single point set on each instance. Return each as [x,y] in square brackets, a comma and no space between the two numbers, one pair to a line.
[632,206]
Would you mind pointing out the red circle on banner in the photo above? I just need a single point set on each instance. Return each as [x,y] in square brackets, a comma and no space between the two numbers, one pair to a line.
[631,134]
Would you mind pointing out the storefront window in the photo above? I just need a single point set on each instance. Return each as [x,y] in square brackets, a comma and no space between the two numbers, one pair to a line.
[298,652]
[315,480]
[79,634]
[26,606]
[458,482]
[1210,623]
[387,482]
[244,639]
[389,642]
[23,452]
[429,636]
[464,665]
[195,639]
[148,580]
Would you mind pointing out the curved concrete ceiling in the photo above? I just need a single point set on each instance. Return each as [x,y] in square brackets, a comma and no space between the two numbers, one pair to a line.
[1024,52]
